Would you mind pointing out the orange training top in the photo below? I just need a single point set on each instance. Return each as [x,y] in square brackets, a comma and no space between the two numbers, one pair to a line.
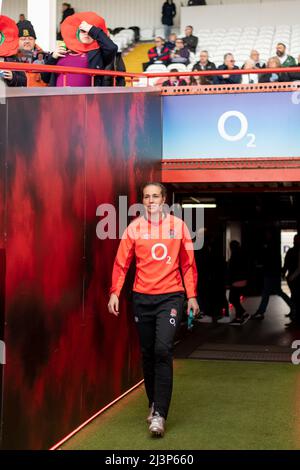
[164,255]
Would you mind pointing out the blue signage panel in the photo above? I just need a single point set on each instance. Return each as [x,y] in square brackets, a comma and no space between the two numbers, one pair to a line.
[242,125]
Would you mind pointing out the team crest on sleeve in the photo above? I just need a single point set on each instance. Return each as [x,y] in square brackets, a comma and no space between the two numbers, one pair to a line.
[173,312]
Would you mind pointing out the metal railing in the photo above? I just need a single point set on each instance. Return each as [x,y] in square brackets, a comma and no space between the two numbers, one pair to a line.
[135,77]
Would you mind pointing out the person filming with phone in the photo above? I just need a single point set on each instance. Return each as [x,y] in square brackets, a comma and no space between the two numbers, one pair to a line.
[86,45]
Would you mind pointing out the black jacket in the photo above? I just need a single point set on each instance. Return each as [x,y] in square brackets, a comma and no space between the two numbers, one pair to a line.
[19,78]
[118,66]
[168,13]
[97,59]
[191,43]
[233,79]
[266,77]
[66,13]
[292,76]
[208,66]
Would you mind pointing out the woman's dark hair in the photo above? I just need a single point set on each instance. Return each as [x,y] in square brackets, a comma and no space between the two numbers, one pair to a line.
[159,185]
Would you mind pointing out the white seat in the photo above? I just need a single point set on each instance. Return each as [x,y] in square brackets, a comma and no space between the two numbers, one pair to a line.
[192,57]
[159,32]
[120,43]
[124,40]
[156,68]
[130,34]
[249,29]
[219,30]
[146,34]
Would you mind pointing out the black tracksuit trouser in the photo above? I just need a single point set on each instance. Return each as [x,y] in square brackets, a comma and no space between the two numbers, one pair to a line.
[157,318]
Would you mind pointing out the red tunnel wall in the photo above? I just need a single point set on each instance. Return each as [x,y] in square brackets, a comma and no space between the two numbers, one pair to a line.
[62,156]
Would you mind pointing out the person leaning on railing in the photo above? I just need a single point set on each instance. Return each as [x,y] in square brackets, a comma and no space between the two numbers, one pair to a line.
[203,64]
[249,78]
[28,52]
[87,45]
[274,62]
[229,64]
[174,81]
[9,44]
[295,76]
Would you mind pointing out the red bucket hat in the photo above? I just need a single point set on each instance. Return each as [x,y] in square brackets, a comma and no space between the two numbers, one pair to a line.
[70,30]
[9,37]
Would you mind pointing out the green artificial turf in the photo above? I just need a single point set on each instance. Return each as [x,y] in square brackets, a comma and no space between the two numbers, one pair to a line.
[215,405]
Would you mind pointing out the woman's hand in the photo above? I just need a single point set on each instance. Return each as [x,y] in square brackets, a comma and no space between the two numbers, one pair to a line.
[8,75]
[84,26]
[60,51]
[193,305]
[113,305]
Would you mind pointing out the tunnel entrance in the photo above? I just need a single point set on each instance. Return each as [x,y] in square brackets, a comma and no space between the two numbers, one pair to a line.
[250,214]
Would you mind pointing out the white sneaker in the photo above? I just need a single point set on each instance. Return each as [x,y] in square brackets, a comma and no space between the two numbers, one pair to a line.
[225,319]
[150,415]
[204,319]
[157,426]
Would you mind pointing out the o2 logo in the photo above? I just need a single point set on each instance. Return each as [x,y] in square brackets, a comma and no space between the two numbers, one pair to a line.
[243,128]
[159,252]
[296,354]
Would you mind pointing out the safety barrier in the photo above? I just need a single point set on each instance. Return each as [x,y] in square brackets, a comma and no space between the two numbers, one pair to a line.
[133,78]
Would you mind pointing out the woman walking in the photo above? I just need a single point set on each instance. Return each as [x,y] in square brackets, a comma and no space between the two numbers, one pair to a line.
[164,265]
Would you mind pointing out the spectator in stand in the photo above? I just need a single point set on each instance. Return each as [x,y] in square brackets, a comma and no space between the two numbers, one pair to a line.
[40,59]
[294,76]
[195,80]
[181,54]
[285,60]
[254,55]
[273,62]
[28,52]
[250,77]
[168,14]
[174,81]
[22,18]
[85,36]
[189,40]
[67,10]
[159,54]
[226,78]
[8,50]
[204,64]
[170,44]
